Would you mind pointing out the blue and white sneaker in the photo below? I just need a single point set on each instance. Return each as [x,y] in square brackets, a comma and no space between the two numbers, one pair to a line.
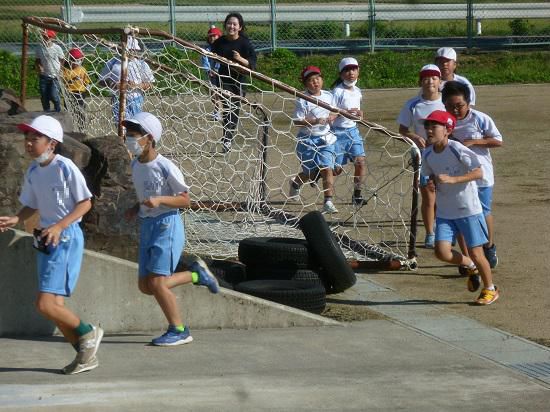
[429,241]
[206,277]
[173,337]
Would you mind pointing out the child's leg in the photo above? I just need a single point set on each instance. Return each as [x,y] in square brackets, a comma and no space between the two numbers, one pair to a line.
[44,93]
[446,230]
[176,279]
[328,182]
[490,229]
[165,298]
[428,208]
[52,307]
[477,255]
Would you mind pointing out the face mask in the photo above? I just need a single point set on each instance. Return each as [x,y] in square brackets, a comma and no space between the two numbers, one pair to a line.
[350,84]
[133,146]
[43,157]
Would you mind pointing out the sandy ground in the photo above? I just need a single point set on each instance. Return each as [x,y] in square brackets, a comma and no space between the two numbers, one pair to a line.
[521,211]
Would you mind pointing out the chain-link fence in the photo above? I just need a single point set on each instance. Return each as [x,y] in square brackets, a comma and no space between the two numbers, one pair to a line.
[312,25]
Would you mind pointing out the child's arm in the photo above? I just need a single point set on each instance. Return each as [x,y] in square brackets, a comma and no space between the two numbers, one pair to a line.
[7,222]
[473,174]
[179,201]
[405,131]
[487,142]
[53,232]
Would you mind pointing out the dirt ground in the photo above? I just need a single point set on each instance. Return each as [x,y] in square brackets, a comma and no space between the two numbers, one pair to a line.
[521,211]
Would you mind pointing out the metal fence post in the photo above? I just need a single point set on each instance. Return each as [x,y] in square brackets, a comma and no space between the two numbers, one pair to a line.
[372,24]
[172,12]
[469,23]
[67,11]
[273,24]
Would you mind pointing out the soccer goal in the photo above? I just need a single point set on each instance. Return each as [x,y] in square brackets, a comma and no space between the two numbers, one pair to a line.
[243,192]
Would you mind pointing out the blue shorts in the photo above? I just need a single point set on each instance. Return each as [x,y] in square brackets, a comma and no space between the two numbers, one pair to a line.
[58,272]
[314,154]
[161,241]
[485,195]
[349,144]
[473,228]
[133,106]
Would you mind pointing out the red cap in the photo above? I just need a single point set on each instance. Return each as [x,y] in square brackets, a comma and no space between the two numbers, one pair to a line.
[50,34]
[308,71]
[214,31]
[430,70]
[76,53]
[442,117]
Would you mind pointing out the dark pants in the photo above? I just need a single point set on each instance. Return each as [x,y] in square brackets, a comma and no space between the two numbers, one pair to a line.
[49,91]
[231,108]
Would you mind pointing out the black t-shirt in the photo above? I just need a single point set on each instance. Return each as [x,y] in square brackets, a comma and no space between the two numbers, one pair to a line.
[225,47]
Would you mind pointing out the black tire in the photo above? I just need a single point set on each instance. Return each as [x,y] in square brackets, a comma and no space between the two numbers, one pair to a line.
[307,296]
[228,273]
[335,272]
[281,252]
[272,273]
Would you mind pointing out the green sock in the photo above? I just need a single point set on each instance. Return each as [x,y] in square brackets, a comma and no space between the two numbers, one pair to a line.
[83,329]
[195,277]
[180,328]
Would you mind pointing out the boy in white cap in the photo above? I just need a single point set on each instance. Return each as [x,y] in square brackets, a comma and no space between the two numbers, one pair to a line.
[411,124]
[49,58]
[454,169]
[55,188]
[349,144]
[315,147]
[161,191]
[445,59]
[139,79]
[476,130]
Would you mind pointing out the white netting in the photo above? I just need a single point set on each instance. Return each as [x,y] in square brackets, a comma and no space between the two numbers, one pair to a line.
[244,192]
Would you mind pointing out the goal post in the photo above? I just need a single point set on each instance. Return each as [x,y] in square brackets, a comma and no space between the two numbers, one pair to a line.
[243,192]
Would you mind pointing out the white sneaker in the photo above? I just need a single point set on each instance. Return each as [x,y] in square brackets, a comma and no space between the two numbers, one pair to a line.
[293,192]
[75,367]
[329,207]
[88,345]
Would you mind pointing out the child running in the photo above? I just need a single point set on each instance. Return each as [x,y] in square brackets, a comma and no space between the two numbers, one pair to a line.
[161,191]
[477,131]
[55,188]
[454,169]
[315,147]
[349,143]
[411,124]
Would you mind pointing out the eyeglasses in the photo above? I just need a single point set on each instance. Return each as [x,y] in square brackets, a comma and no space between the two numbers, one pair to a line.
[458,106]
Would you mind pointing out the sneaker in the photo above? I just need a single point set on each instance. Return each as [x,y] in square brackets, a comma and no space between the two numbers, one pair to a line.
[473,283]
[467,271]
[429,241]
[293,191]
[206,277]
[329,207]
[216,116]
[75,367]
[357,200]
[491,255]
[487,296]
[173,337]
[88,345]
[226,146]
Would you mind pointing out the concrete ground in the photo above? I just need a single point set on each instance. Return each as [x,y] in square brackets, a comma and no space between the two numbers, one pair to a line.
[422,357]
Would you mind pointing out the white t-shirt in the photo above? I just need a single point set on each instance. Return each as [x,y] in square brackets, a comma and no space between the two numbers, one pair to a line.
[346,99]
[456,200]
[307,109]
[415,110]
[50,59]
[54,189]
[159,177]
[138,72]
[465,81]
[474,126]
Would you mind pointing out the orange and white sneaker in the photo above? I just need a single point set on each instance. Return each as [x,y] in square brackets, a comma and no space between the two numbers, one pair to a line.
[487,296]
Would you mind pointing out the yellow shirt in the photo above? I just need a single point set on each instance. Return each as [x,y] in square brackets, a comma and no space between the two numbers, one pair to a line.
[76,79]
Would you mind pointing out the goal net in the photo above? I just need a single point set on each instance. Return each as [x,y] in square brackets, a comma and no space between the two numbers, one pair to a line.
[243,192]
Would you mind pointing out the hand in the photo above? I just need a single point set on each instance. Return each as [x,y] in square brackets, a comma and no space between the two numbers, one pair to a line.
[236,55]
[7,222]
[431,185]
[52,234]
[356,112]
[152,202]
[445,179]
[421,143]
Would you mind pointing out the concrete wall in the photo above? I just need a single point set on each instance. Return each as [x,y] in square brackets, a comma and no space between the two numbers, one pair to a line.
[107,294]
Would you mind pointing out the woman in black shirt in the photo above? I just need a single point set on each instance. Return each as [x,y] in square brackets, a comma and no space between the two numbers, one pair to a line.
[235,46]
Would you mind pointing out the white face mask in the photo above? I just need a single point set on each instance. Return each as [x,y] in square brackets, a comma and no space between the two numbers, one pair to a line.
[133,146]
[350,84]
[44,156]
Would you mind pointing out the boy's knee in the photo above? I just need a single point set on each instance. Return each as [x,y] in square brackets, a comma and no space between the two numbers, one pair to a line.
[359,161]
[143,286]
[442,252]
[43,306]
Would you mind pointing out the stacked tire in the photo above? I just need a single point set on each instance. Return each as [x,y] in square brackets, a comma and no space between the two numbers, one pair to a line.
[296,272]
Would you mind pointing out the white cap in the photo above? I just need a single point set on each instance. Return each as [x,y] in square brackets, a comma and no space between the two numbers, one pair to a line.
[148,122]
[447,53]
[347,61]
[132,43]
[430,70]
[45,125]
